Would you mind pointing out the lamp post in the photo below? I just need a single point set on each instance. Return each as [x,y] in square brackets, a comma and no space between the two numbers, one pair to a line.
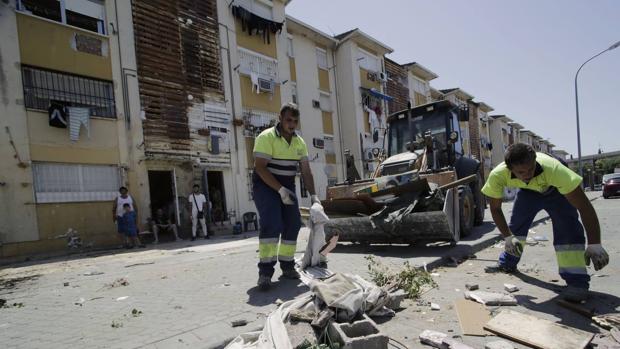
[614,46]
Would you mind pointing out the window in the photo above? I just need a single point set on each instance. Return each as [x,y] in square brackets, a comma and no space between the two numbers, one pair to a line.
[369,61]
[250,61]
[75,183]
[290,50]
[325,101]
[42,86]
[294,93]
[85,14]
[321,58]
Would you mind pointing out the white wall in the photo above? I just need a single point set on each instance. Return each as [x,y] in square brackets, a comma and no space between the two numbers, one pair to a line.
[17,209]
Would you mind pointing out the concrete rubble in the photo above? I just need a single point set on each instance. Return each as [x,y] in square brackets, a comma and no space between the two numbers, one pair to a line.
[498,345]
[511,288]
[491,298]
[361,334]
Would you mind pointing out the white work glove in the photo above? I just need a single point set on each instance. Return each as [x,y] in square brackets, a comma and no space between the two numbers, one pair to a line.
[597,254]
[513,246]
[287,196]
[315,199]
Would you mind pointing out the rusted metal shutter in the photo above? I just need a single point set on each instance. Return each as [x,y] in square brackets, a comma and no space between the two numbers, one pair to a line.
[177,51]
[397,75]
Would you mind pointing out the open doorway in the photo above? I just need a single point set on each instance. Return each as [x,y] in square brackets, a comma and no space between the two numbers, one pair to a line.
[217,196]
[161,188]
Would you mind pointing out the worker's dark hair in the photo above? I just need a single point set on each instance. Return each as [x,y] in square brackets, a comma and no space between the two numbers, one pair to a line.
[196,186]
[519,154]
[122,188]
[290,107]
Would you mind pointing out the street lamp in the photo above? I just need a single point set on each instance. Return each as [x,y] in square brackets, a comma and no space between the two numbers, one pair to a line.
[614,46]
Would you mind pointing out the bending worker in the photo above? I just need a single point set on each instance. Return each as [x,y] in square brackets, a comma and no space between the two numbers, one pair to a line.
[546,184]
[277,153]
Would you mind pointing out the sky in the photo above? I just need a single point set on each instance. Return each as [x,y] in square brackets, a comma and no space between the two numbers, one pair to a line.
[520,57]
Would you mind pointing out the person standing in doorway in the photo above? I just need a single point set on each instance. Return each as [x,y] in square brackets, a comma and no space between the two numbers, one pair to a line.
[118,210]
[277,153]
[198,200]
[128,226]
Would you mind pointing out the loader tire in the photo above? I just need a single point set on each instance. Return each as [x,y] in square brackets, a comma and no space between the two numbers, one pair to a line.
[480,201]
[467,207]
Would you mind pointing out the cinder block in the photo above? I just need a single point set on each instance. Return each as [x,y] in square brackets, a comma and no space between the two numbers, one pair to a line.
[361,334]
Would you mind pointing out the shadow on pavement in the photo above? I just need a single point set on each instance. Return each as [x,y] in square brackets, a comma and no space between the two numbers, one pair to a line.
[600,303]
[284,290]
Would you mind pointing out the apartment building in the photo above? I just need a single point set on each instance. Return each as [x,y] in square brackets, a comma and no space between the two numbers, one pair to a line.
[461,98]
[419,78]
[500,132]
[486,146]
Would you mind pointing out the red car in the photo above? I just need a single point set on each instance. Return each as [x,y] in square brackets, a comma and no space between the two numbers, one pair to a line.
[611,185]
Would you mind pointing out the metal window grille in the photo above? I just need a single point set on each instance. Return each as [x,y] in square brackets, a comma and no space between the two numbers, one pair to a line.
[75,183]
[251,62]
[321,58]
[42,86]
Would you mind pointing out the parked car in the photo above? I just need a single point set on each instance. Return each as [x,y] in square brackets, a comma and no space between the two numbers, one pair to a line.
[611,185]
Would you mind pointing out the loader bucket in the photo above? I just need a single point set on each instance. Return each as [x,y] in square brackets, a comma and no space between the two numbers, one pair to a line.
[410,228]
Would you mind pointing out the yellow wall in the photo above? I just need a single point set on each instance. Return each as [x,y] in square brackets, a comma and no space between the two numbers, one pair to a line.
[53,144]
[93,224]
[328,124]
[292,66]
[330,158]
[366,123]
[48,45]
[249,148]
[324,80]
[255,42]
[263,101]
[367,83]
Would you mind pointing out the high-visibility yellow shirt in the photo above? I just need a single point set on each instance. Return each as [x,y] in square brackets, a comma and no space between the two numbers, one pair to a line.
[283,156]
[550,172]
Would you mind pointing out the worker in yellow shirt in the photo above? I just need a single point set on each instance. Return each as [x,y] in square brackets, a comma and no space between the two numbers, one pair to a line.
[546,184]
[278,151]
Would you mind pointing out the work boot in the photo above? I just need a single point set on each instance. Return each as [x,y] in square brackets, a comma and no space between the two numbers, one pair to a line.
[264,282]
[574,294]
[498,268]
[322,264]
[290,274]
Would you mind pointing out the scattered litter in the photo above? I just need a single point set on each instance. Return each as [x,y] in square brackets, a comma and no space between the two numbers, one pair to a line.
[498,345]
[608,321]
[80,302]
[531,241]
[534,331]
[164,277]
[135,312]
[511,288]
[472,317]
[540,238]
[412,280]
[500,244]
[554,280]
[491,298]
[94,299]
[118,283]
[302,315]
[432,338]
[178,307]
[450,343]
[600,275]
[434,274]
[122,298]
[92,273]
[238,323]
[471,287]
[137,264]
[4,304]
[457,290]
[65,284]
[531,231]
[435,306]
[278,301]
[226,284]
[116,324]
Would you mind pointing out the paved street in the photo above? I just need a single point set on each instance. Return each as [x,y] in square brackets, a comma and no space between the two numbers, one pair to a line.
[186,294]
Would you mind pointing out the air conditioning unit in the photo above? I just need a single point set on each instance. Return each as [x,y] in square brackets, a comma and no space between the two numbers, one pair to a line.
[368,155]
[316,104]
[318,143]
[265,85]
[371,76]
[383,76]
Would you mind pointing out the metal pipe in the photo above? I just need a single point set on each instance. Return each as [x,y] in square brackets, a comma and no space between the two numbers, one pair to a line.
[338,108]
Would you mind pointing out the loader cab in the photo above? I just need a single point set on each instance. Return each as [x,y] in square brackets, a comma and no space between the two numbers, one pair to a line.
[411,130]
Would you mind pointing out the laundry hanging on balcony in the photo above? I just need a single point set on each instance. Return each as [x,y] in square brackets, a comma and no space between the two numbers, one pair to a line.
[255,24]
[57,115]
[77,118]
[377,94]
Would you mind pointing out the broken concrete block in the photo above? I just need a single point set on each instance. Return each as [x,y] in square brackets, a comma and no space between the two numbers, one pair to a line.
[511,288]
[435,306]
[238,323]
[432,338]
[298,332]
[361,334]
[396,298]
[498,345]
[449,343]
[491,298]
[471,287]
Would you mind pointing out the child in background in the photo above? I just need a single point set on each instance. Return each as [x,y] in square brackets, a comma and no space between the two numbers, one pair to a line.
[129,227]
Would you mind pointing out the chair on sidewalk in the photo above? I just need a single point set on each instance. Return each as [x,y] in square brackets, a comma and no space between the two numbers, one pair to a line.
[250,218]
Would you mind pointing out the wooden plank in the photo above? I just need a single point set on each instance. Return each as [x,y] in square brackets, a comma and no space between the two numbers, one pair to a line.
[537,333]
[472,317]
